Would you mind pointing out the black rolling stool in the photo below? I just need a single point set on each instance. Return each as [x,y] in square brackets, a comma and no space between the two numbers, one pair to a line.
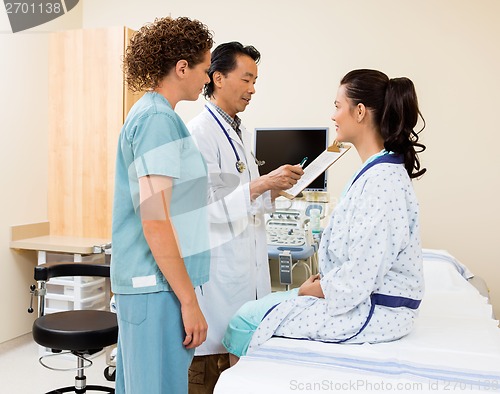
[80,332]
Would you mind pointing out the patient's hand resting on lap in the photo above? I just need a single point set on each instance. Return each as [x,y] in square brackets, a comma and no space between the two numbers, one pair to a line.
[312,287]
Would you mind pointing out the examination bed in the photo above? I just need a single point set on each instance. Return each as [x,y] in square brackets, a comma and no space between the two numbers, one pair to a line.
[454,347]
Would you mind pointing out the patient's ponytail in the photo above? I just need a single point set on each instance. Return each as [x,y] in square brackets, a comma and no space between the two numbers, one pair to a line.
[395,109]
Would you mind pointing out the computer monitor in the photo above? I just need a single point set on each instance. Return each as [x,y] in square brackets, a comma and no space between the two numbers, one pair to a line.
[278,146]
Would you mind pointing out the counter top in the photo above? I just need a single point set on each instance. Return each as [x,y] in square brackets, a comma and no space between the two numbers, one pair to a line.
[37,237]
[62,244]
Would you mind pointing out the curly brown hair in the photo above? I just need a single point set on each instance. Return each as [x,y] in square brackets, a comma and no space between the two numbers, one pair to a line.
[157,47]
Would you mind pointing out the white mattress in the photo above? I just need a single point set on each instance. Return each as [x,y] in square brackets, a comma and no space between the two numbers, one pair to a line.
[455,347]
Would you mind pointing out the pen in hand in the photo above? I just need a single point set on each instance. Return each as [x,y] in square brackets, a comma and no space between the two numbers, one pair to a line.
[303,161]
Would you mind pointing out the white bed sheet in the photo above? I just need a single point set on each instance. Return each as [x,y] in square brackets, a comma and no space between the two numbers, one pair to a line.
[454,347]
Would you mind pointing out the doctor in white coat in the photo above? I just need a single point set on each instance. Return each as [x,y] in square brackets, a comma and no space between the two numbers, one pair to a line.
[238,199]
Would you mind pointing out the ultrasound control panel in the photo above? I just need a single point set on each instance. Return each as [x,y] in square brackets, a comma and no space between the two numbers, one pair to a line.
[286,228]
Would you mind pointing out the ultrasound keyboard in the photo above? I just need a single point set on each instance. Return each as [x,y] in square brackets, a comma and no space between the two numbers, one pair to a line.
[285,228]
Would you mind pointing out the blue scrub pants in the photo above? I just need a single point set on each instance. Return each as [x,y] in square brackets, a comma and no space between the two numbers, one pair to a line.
[151,358]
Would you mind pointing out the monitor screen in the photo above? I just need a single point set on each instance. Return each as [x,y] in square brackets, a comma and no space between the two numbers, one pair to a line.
[278,146]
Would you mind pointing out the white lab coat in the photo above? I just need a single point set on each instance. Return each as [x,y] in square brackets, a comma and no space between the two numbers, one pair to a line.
[239,268]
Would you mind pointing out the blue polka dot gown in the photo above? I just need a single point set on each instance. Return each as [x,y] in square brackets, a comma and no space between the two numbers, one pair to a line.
[371,244]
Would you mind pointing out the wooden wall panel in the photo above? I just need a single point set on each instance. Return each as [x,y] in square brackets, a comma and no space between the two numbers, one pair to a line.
[86,96]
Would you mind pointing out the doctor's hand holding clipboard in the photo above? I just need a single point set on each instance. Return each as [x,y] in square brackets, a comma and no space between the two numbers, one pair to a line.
[282,178]
[318,166]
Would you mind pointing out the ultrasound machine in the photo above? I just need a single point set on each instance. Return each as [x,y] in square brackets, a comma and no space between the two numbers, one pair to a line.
[290,238]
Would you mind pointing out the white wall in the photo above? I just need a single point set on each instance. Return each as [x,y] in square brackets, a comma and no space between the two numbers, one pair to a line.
[24,168]
[24,157]
[448,48]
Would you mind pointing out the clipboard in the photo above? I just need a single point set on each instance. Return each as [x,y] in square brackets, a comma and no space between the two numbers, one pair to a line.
[316,168]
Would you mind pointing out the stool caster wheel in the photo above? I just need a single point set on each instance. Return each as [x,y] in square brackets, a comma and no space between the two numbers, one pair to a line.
[110,373]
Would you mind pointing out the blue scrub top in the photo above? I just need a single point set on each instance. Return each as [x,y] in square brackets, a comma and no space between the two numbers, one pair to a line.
[155,141]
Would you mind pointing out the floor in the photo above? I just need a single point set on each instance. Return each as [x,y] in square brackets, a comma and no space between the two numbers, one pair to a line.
[21,373]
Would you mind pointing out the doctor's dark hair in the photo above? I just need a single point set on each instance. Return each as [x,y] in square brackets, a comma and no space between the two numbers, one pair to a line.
[224,61]
[394,105]
[155,49]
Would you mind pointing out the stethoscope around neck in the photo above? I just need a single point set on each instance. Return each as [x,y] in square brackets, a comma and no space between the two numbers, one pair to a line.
[240,166]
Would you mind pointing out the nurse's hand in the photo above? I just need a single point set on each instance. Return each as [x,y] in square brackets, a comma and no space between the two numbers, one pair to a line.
[195,325]
[312,287]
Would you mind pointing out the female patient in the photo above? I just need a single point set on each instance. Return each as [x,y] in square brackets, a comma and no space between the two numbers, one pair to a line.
[370,282]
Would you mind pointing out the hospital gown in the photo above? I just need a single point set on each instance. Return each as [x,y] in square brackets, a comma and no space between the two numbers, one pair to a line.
[371,245]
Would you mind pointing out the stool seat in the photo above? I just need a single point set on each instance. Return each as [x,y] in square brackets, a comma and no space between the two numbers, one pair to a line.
[81,332]
[78,330]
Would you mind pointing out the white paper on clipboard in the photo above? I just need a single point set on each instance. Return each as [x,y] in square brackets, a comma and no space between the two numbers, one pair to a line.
[316,168]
